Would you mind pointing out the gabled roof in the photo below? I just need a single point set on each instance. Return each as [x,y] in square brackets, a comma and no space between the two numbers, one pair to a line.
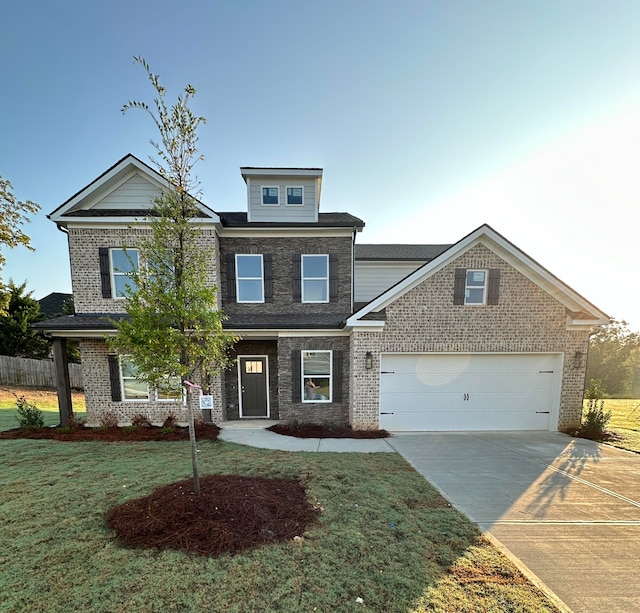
[53,304]
[80,205]
[398,253]
[581,312]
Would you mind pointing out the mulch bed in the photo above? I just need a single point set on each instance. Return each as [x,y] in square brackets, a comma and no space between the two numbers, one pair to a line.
[232,513]
[119,434]
[322,431]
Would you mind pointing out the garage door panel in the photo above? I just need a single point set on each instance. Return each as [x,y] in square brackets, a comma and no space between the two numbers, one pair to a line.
[467,391]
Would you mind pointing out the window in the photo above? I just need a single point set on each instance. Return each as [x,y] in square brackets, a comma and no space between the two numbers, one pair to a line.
[136,389]
[123,263]
[475,288]
[315,278]
[316,376]
[270,196]
[132,388]
[249,281]
[294,196]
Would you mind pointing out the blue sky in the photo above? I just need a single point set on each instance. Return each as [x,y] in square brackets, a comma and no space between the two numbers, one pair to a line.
[428,117]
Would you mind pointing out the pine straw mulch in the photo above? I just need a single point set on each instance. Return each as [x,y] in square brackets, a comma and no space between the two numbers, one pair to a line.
[113,434]
[304,430]
[232,513]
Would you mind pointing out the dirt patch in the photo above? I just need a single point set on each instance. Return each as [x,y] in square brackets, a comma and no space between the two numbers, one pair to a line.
[323,431]
[231,514]
[47,395]
[120,434]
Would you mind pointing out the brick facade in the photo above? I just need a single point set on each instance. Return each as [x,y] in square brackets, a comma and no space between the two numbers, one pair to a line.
[526,319]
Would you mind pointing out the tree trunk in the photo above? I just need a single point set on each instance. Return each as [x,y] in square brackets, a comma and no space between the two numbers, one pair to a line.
[192,438]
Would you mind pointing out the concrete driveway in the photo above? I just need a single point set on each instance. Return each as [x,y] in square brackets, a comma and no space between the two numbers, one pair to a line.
[568,509]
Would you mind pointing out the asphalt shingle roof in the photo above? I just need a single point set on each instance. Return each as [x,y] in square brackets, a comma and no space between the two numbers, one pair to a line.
[399,252]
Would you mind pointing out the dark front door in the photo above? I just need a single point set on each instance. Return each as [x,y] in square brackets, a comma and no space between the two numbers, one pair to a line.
[253,386]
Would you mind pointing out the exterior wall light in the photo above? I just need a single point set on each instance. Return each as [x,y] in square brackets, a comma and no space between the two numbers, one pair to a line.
[368,361]
[580,359]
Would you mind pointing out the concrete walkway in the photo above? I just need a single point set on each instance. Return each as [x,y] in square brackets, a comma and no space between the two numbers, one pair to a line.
[254,433]
[568,509]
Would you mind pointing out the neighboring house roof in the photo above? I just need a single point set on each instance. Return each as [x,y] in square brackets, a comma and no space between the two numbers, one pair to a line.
[81,204]
[326,220]
[399,252]
[580,312]
[53,304]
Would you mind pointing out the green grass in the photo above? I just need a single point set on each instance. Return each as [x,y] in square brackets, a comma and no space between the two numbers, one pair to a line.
[385,536]
[9,417]
[625,421]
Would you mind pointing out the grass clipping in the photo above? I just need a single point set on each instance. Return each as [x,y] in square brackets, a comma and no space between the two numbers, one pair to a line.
[231,514]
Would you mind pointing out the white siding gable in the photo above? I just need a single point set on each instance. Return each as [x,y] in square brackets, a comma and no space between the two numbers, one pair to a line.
[372,278]
[137,192]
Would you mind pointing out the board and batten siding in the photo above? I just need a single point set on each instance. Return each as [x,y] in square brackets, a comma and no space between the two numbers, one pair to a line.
[372,278]
[135,193]
[307,213]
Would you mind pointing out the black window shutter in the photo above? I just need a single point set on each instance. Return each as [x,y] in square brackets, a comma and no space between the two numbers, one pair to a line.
[297,277]
[337,376]
[333,278]
[458,286]
[267,262]
[105,276]
[231,277]
[494,286]
[114,378]
[296,383]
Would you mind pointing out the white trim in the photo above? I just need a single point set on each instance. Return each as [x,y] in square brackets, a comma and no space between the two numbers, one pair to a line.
[247,171]
[323,377]
[303,278]
[286,194]
[261,279]
[513,256]
[485,287]
[112,272]
[266,375]
[262,188]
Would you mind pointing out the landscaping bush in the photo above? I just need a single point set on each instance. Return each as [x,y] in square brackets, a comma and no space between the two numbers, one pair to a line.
[595,419]
[29,415]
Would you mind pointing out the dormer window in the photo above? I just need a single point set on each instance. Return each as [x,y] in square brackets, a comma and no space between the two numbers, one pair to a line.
[270,196]
[294,196]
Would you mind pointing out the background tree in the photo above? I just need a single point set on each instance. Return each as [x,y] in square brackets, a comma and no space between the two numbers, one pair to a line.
[614,358]
[174,331]
[13,214]
[22,310]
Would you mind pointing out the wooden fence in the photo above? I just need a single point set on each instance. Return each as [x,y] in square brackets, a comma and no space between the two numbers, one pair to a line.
[35,373]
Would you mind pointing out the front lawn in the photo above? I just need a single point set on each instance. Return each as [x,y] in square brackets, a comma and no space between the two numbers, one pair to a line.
[625,421]
[385,536]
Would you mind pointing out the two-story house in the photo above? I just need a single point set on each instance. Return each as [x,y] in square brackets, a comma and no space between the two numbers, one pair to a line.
[469,336]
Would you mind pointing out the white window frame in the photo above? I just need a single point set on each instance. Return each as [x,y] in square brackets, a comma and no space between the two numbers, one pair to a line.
[262,188]
[286,195]
[467,287]
[260,278]
[328,377]
[304,278]
[113,273]
[150,396]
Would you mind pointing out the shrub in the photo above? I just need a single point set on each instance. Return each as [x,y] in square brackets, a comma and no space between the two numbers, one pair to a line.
[29,415]
[595,419]
[109,419]
[141,421]
[170,420]
[130,429]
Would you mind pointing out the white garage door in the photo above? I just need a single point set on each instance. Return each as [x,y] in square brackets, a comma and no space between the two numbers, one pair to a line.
[468,391]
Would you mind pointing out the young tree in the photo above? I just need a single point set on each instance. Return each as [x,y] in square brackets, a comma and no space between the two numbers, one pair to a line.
[13,214]
[174,330]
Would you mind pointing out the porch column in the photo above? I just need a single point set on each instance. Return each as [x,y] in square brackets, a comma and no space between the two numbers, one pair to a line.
[63,384]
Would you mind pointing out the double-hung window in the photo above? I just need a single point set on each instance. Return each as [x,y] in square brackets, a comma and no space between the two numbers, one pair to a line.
[123,263]
[294,196]
[132,387]
[315,278]
[249,278]
[475,290]
[270,196]
[316,376]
